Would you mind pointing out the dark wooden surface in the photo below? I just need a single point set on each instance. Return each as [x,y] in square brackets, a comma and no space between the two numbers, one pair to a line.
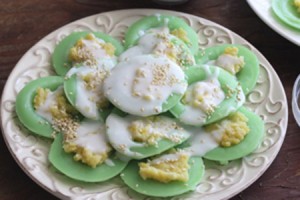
[23,23]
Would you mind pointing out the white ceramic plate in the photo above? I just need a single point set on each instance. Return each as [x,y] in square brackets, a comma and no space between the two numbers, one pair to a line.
[220,182]
[263,10]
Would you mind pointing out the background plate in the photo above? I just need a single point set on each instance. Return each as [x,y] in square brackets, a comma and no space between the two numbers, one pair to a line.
[263,10]
[220,182]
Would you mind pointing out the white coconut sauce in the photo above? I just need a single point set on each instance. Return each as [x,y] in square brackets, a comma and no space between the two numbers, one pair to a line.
[227,62]
[201,141]
[43,109]
[148,43]
[94,48]
[86,99]
[91,135]
[142,84]
[211,92]
[121,139]
[167,157]
[119,136]
[98,61]
[155,41]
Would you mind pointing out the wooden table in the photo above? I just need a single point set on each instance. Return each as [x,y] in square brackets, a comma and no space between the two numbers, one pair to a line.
[23,23]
